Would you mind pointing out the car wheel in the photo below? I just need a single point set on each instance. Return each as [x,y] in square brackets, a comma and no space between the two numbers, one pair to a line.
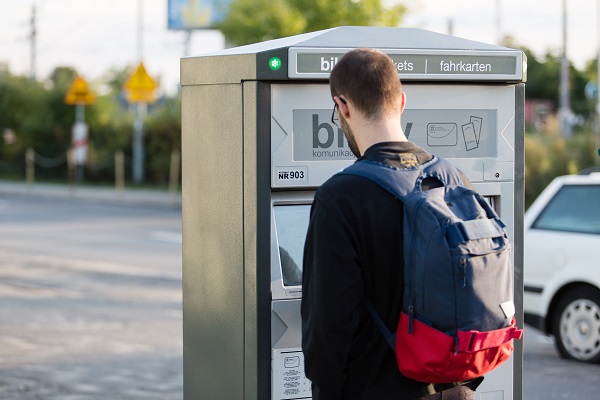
[576,325]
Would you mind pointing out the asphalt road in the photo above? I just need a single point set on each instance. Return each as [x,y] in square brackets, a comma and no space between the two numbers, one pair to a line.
[90,307]
[548,377]
[90,301]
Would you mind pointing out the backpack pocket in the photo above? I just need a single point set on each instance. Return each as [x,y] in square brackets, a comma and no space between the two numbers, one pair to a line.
[483,282]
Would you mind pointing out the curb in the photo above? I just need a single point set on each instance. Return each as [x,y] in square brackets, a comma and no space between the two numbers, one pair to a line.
[139,197]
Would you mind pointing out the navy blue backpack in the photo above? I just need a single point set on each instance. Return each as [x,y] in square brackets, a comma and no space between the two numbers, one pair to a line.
[458,317]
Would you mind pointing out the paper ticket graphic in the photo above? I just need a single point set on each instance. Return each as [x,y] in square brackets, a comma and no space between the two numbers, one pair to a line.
[469,135]
[477,122]
[442,134]
[472,132]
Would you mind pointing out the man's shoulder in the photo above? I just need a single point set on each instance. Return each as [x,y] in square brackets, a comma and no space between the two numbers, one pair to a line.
[339,184]
[350,190]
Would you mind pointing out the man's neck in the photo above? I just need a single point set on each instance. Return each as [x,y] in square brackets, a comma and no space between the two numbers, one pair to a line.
[369,133]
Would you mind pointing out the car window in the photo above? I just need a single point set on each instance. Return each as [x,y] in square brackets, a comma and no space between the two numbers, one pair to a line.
[574,208]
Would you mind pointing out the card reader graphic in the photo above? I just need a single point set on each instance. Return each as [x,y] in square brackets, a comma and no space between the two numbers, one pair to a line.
[292,362]
[442,134]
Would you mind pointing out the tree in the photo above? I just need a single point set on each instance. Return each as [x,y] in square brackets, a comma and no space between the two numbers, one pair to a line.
[62,77]
[543,79]
[162,136]
[251,21]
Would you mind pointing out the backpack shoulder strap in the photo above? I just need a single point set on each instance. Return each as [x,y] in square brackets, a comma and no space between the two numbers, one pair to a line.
[402,182]
[389,337]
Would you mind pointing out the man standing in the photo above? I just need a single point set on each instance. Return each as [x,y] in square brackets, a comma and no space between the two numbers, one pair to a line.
[354,248]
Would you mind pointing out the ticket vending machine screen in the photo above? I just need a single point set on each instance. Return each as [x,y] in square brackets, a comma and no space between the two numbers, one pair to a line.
[291,222]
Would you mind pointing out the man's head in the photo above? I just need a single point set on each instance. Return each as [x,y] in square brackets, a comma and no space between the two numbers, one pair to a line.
[369,79]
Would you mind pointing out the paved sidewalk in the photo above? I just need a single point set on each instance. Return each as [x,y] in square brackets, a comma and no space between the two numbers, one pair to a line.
[99,194]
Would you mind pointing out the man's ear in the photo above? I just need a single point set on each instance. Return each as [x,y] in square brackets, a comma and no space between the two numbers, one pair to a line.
[342,106]
[403,102]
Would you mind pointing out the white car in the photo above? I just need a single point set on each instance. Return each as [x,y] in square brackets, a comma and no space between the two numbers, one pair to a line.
[562,265]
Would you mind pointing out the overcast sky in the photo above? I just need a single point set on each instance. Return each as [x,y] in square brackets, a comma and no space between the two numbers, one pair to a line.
[95,35]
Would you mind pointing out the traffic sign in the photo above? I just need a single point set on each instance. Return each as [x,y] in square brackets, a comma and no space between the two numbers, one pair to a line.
[80,93]
[140,87]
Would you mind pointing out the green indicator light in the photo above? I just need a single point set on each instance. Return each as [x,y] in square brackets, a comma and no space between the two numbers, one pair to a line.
[274,63]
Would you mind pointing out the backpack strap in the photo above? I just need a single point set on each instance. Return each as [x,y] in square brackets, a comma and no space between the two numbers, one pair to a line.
[402,182]
[390,337]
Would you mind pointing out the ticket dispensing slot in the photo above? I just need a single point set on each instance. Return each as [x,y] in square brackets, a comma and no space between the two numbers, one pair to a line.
[289,223]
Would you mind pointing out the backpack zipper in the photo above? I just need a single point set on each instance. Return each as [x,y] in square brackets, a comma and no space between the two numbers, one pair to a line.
[411,309]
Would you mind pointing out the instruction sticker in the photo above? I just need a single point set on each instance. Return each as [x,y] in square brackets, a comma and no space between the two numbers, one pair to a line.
[289,381]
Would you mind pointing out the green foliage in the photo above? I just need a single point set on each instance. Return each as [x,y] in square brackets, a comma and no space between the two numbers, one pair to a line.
[251,21]
[549,154]
[276,18]
[543,81]
[25,109]
[37,114]
[543,77]
[163,135]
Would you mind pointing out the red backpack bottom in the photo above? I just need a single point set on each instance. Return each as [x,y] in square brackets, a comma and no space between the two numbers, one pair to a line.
[429,355]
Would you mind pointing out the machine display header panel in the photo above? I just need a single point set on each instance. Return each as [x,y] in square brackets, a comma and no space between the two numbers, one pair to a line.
[472,125]
[447,65]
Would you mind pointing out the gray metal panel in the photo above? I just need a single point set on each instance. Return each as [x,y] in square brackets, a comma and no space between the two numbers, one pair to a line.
[365,36]
[519,240]
[397,38]
[251,312]
[257,194]
[213,70]
[213,276]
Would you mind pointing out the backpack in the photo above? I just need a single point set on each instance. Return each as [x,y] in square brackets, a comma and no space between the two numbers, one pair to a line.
[458,315]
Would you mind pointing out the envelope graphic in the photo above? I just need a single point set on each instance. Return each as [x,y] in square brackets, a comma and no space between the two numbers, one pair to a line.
[442,134]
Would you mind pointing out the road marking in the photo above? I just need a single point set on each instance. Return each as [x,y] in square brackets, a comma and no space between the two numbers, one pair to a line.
[167,237]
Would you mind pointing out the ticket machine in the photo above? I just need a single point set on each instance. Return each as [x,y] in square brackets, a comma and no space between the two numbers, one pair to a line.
[257,143]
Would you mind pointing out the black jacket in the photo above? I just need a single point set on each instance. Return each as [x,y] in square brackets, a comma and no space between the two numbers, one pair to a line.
[354,249]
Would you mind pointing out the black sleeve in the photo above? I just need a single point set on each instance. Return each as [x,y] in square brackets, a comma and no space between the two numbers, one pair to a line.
[332,288]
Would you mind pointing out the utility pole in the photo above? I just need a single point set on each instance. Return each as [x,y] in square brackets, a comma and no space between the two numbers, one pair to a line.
[564,109]
[186,42]
[499,22]
[32,37]
[140,41]
[137,144]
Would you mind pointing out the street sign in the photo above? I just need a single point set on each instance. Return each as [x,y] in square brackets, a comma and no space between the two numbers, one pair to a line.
[194,14]
[80,93]
[140,87]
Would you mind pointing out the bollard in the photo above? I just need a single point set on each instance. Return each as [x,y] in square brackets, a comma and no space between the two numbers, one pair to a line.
[30,167]
[174,171]
[119,171]
[71,167]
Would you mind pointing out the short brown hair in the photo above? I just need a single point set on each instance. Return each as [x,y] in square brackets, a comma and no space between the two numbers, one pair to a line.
[369,79]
